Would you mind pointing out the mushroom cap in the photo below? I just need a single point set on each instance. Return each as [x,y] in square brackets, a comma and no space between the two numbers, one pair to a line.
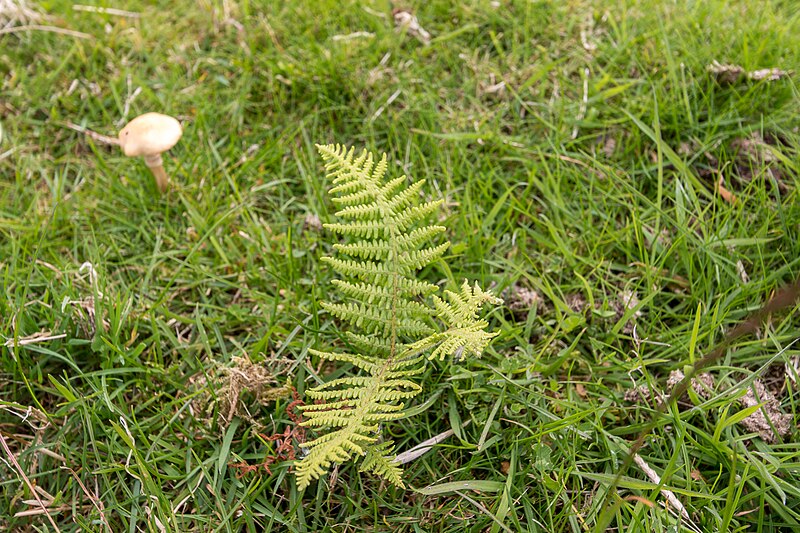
[149,134]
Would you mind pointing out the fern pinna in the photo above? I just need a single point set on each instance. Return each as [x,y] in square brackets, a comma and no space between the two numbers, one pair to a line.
[395,327]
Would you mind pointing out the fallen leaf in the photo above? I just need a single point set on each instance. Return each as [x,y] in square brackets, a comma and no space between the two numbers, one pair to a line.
[424,447]
[312,223]
[742,272]
[655,478]
[581,390]
[725,73]
[769,74]
[406,21]
[495,88]
[726,195]
[41,336]
[634,498]
[18,13]
[792,368]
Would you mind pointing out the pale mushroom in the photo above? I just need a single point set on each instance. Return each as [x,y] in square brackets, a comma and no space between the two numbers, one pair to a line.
[150,135]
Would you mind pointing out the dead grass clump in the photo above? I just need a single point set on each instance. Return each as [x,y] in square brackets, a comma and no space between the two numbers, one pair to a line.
[17,13]
[238,389]
[246,376]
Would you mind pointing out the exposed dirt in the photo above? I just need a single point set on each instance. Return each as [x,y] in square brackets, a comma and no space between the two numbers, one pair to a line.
[769,421]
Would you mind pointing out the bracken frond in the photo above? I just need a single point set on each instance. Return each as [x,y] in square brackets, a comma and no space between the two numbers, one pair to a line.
[389,309]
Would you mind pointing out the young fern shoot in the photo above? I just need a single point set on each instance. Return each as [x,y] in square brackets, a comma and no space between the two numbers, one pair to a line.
[395,329]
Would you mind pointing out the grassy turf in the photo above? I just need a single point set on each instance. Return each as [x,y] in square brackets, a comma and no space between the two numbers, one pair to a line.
[589,174]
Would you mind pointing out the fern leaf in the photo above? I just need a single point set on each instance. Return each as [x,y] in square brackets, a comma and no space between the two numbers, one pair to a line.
[356,198]
[369,229]
[405,197]
[370,364]
[466,333]
[420,258]
[373,345]
[371,271]
[419,236]
[392,186]
[361,212]
[377,320]
[377,250]
[387,306]
[354,423]
[409,215]
[379,460]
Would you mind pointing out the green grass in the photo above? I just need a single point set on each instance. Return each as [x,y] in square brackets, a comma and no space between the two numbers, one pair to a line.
[222,266]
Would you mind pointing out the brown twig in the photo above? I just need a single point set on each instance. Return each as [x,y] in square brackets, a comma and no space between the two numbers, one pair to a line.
[93,134]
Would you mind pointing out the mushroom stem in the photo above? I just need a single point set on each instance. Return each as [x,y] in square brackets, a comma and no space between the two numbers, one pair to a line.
[156,166]
[150,135]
